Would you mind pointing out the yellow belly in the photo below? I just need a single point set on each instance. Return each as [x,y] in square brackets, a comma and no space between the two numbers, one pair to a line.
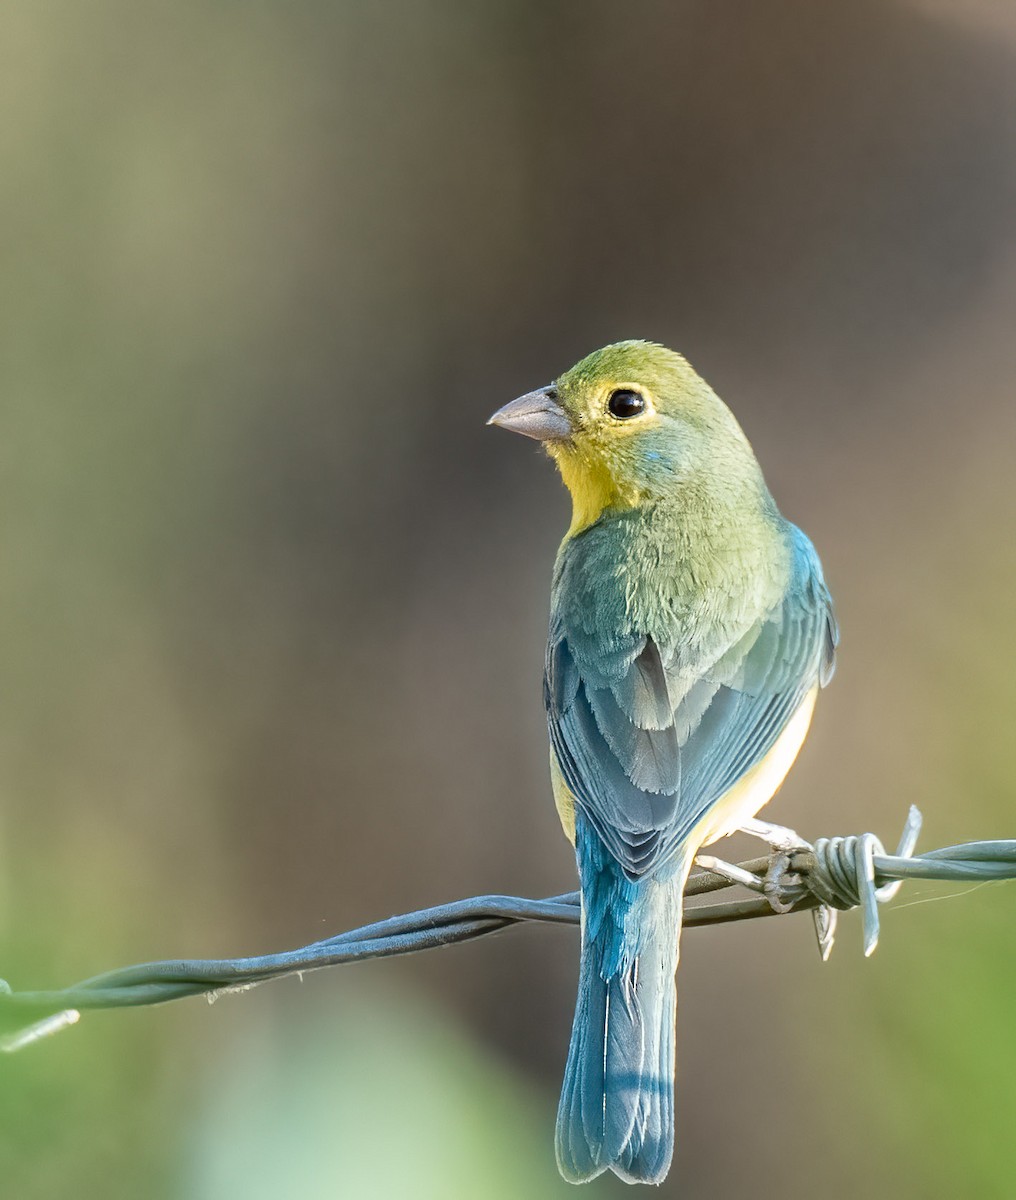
[740,803]
[756,787]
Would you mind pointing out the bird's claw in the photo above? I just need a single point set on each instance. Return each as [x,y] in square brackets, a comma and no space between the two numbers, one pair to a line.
[781,885]
[776,837]
[729,871]
[777,879]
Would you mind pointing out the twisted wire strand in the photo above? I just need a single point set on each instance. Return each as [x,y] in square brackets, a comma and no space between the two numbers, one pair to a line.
[842,875]
[834,875]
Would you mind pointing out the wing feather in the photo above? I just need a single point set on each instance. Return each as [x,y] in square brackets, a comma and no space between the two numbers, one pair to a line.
[646,748]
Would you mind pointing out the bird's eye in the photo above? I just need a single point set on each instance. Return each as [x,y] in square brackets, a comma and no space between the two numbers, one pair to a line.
[625,403]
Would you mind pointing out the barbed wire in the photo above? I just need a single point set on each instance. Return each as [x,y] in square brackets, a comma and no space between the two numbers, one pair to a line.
[831,876]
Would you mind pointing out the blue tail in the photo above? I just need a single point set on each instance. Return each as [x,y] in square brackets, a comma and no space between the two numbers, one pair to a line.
[617,1102]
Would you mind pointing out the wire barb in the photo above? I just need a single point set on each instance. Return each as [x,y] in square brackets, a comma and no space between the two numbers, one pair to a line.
[840,871]
[835,875]
[38,1030]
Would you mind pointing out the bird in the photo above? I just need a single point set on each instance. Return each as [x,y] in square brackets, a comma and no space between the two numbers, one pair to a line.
[691,630]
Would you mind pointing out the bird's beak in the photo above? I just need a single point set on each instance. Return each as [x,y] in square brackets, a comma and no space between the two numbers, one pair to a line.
[536,415]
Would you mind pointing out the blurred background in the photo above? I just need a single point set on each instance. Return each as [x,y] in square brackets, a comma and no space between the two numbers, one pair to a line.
[274,599]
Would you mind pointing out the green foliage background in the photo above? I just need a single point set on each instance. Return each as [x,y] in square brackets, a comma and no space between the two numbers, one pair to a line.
[273,598]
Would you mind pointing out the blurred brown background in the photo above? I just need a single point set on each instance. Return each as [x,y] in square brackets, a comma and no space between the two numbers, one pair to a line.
[274,599]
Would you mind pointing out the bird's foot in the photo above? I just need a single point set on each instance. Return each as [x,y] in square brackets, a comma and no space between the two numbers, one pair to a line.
[781,885]
[782,842]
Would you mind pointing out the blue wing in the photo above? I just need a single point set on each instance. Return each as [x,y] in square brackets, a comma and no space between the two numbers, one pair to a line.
[646,751]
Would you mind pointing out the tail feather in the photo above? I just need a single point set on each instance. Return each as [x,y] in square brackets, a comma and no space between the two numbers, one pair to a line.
[617,1102]
[648,1154]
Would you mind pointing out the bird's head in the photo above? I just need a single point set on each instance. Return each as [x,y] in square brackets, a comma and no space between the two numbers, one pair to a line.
[628,425]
